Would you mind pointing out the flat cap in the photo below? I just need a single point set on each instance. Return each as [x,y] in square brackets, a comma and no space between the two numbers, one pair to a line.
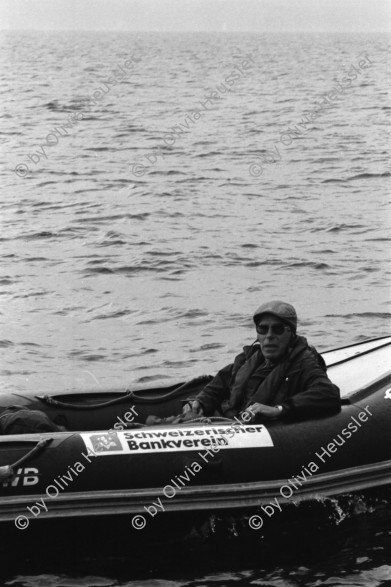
[279,309]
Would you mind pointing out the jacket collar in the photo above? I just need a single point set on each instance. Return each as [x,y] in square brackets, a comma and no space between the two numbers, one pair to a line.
[298,346]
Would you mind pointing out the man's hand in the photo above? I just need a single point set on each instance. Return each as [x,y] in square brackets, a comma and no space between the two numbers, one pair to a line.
[193,406]
[267,412]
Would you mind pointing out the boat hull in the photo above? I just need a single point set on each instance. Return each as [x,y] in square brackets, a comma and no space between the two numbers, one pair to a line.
[202,466]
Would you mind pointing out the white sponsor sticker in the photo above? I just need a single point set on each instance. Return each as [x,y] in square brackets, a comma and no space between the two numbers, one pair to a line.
[151,440]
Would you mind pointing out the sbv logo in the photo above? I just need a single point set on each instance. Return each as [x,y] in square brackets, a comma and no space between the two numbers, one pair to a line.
[28,476]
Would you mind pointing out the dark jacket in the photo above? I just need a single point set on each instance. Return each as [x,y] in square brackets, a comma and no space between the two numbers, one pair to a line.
[298,382]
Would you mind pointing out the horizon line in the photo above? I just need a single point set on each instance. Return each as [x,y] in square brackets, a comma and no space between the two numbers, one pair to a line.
[385,32]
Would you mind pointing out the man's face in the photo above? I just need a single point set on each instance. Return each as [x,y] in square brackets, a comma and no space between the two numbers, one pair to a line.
[273,345]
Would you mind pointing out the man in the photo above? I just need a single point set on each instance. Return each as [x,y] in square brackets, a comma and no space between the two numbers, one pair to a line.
[278,376]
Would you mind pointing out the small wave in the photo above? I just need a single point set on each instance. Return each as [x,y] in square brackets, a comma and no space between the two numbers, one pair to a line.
[325,252]
[6,343]
[87,357]
[43,184]
[104,219]
[163,253]
[307,264]
[40,235]
[148,378]
[194,313]
[382,315]
[98,270]
[113,234]
[93,357]
[98,149]
[368,175]
[209,154]
[206,347]
[333,180]
[91,118]
[339,227]
[116,314]
[55,106]
[110,243]
[166,278]
[261,263]
[135,269]
[359,176]
[112,238]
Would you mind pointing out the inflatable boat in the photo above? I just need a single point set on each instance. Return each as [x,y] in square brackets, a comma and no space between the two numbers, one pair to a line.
[109,462]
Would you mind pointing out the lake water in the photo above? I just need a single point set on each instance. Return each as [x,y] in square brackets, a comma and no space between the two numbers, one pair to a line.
[158,187]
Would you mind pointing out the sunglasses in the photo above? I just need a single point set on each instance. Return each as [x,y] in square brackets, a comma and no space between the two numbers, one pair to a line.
[274,328]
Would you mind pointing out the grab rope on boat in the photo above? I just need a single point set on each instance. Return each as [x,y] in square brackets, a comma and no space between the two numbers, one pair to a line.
[7,471]
[128,395]
[208,420]
[200,420]
[50,401]
[173,392]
